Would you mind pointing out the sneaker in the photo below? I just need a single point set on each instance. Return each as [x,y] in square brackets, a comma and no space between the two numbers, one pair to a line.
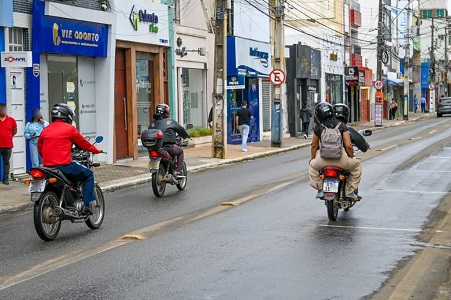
[244,150]
[305,136]
[5,181]
[353,196]
[320,195]
[86,211]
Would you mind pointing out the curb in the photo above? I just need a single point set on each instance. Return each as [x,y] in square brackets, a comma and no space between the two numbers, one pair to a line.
[399,123]
[16,208]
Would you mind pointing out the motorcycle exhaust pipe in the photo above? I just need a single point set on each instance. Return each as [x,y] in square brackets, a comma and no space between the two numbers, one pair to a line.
[64,213]
[345,204]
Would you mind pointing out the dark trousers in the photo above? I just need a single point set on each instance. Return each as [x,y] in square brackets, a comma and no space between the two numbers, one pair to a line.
[305,127]
[77,172]
[5,153]
[176,151]
[423,107]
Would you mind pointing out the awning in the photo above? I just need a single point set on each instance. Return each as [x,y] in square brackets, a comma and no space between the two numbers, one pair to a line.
[399,82]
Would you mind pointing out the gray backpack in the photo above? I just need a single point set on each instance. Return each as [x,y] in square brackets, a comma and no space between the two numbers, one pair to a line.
[331,143]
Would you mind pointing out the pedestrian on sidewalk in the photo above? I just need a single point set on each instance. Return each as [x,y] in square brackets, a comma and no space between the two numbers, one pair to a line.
[306,115]
[243,121]
[423,104]
[392,109]
[8,129]
[33,130]
[415,103]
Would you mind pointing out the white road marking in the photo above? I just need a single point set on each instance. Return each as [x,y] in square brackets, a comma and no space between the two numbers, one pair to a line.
[430,171]
[431,132]
[446,125]
[278,187]
[412,192]
[371,228]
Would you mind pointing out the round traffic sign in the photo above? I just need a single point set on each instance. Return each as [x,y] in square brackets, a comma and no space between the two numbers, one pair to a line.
[378,84]
[431,86]
[277,77]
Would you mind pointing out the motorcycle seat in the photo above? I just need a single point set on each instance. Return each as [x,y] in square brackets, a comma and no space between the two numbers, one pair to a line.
[57,173]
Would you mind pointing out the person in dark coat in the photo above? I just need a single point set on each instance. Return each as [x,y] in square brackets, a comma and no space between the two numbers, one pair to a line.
[306,114]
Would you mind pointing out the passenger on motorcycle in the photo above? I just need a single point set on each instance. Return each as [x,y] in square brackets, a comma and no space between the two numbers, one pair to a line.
[55,147]
[170,129]
[325,118]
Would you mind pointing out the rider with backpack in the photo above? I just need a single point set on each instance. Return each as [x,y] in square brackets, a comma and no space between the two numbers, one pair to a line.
[333,141]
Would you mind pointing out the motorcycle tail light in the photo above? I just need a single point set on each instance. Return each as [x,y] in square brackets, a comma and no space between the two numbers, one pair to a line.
[159,135]
[331,173]
[37,174]
[153,153]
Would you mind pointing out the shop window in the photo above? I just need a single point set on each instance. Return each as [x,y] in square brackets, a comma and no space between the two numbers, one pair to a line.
[334,88]
[194,106]
[63,82]
[144,89]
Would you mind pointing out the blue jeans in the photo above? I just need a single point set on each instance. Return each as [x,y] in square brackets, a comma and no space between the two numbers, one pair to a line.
[36,160]
[77,172]
[244,129]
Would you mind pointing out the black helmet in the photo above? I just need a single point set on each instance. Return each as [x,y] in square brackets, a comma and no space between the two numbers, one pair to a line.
[63,112]
[323,111]
[163,110]
[341,112]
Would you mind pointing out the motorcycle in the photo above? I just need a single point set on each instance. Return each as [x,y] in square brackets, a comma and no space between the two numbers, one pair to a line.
[162,165]
[335,178]
[57,198]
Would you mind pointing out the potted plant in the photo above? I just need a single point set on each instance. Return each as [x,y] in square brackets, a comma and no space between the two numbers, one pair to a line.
[199,136]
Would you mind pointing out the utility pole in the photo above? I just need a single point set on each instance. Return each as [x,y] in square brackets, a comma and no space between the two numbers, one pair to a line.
[405,99]
[446,59]
[278,40]
[432,69]
[219,134]
[380,41]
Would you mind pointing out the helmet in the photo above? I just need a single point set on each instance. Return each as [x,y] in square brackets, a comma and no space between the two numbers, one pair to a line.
[341,112]
[63,112]
[323,111]
[162,109]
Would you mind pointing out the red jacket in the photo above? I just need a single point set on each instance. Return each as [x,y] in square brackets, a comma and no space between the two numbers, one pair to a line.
[7,128]
[55,144]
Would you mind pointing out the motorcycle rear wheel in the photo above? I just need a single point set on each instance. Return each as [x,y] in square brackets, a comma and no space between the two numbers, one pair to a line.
[332,209]
[46,224]
[182,183]
[158,183]
[98,210]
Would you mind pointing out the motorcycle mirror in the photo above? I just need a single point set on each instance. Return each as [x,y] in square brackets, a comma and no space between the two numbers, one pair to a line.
[367,132]
[189,126]
[99,139]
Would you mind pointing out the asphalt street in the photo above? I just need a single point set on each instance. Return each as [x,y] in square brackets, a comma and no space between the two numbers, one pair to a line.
[270,240]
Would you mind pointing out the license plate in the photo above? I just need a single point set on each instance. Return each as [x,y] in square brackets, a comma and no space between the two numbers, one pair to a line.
[37,186]
[330,186]
[154,164]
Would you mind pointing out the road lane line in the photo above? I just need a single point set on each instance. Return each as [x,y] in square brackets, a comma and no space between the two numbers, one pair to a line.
[414,139]
[431,132]
[387,148]
[429,171]
[412,192]
[371,228]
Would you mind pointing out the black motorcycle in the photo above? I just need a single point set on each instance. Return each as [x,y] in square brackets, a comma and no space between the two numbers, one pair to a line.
[161,164]
[57,198]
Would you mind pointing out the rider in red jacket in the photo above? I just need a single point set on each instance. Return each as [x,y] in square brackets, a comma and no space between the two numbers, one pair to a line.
[55,147]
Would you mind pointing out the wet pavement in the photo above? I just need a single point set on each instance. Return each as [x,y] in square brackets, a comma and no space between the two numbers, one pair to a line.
[271,241]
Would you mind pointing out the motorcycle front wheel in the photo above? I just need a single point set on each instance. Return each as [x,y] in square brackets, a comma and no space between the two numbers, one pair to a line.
[158,183]
[46,223]
[182,183]
[332,208]
[98,209]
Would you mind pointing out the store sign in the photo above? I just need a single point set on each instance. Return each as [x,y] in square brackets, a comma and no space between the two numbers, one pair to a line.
[352,76]
[361,78]
[248,58]
[141,16]
[235,82]
[16,59]
[145,22]
[64,36]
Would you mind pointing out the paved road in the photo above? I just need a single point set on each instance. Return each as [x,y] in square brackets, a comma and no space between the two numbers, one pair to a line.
[272,241]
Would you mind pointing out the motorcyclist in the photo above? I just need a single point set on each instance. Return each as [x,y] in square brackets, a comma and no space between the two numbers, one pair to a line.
[341,113]
[170,130]
[55,147]
[324,115]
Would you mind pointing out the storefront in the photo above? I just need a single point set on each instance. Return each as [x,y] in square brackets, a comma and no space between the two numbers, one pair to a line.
[194,75]
[71,64]
[365,85]
[141,71]
[247,63]
[303,84]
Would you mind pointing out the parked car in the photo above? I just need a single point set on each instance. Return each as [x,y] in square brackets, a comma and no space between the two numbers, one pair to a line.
[444,106]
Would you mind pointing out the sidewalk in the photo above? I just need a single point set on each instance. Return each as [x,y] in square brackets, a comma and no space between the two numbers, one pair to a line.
[128,173]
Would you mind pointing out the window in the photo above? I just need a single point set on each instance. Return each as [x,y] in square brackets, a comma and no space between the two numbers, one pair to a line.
[440,13]
[16,37]
[426,13]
